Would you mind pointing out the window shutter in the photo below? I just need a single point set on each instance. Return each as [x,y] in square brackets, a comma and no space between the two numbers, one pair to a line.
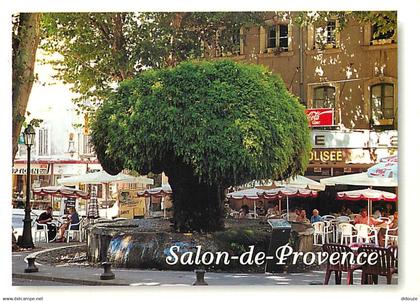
[262,39]
[289,36]
[311,41]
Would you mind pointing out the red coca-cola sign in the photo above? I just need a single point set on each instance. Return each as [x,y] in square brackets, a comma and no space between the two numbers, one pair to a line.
[320,117]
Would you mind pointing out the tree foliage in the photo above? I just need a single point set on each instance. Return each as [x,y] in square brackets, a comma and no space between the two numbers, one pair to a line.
[385,20]
[101,49]
[216,124]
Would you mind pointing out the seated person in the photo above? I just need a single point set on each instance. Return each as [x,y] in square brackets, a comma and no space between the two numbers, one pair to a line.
[260,208]
[388,210]
[315,216]
[273,212]
[363,218]
[302,217]
[243,211]
[73,218]
[392,225]
[46,218]
[344,211]
[377,213]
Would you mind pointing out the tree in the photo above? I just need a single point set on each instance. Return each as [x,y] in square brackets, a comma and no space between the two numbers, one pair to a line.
[25,40]
[101,49]
[208,126]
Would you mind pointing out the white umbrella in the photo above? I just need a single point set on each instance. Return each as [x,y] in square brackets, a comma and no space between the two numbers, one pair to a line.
[367,194]
[386,168]
[301,182]
[298,182]
[360,179]
[102,177]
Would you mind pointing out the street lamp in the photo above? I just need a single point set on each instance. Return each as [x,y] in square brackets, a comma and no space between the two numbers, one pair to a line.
[26,239]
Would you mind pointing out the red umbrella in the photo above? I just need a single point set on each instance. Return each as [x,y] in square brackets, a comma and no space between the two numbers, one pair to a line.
[61,191]
[277,193]
[367,194]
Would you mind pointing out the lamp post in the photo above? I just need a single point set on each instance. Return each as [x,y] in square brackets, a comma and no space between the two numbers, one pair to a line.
[26,239]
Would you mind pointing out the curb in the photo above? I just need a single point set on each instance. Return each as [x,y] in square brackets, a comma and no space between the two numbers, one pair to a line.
[35,254]
[86,282]
[66,280]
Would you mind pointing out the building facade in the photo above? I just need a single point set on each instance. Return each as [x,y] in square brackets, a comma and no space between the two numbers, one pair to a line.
[351,73]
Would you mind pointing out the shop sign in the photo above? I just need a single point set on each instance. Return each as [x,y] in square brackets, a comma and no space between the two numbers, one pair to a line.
[346,156]
[385,139]
[340,139]
[354,139]
[36,169]
[320,117]
[130,204]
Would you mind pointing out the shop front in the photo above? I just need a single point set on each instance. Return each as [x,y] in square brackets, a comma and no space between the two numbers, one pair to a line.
[338,152]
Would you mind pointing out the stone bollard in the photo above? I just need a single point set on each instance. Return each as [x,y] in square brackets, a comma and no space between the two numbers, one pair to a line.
[200,277]
[31,265]
[107,274]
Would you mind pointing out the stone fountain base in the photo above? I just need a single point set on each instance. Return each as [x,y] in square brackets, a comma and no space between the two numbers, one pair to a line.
[128,244]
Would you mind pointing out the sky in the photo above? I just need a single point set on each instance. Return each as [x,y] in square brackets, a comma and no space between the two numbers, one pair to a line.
[51,101]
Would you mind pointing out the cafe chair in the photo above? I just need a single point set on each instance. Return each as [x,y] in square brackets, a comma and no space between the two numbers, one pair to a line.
[74,230]
[343,263]
[319,228]
[391,235]
[339,220]
[347,232]
[343,219]
[385,265]
[40,230]
[327,217]
[329,229]
[366,233]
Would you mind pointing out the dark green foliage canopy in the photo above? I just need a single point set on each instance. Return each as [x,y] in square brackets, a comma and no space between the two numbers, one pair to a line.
[230,122]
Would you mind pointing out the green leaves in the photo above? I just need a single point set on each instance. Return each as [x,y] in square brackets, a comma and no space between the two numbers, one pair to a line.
[230,122]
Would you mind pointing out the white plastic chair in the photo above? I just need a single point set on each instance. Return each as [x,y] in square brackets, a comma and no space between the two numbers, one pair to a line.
[327,217]
[43,231]
[347,232]
[336,222]
[391,235]
[366,233]
[319,231]
[329,229]
[343,219]
[74,232]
